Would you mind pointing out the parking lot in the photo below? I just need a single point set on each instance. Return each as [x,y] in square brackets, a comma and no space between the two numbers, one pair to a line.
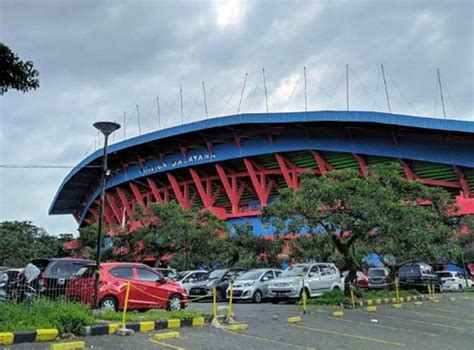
[443,325]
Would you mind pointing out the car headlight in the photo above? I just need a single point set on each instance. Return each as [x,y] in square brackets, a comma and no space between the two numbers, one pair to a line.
[249,284]
[295,283]
[210,284]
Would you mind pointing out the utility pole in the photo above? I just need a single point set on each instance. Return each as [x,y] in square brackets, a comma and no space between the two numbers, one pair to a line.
[265,86]
[441,92]
[386,88]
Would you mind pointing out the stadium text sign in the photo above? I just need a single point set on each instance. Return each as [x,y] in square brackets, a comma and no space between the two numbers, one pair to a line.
[176,161]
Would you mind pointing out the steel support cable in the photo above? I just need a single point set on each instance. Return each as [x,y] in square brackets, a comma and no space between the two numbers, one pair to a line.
[319,86]
[337,87]
[436,98]
[254,93]
[449,96]
[403,95]
[363,86]
[377,90]
[290,96]
[194,102]
[229,99]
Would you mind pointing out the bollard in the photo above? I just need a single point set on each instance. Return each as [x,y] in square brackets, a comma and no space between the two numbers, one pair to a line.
[429,290]
[231,293]
[396,290]
[124,314]
[352,296]
[214,303]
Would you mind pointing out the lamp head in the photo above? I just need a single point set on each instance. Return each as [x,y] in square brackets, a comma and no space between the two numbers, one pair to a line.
[106,128]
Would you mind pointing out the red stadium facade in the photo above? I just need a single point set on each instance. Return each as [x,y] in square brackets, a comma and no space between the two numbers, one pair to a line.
[235,165]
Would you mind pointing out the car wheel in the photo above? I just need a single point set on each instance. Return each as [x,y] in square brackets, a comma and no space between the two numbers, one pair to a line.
[174,303]
[460,287]
[257,297]
[109,303]
[336,288]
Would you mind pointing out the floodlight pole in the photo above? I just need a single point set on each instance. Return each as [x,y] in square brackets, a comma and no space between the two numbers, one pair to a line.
[106,128]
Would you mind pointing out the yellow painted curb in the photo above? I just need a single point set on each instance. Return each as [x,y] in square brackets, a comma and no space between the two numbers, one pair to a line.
[435,300]
[147,326]
[466,298]
[113,327]
[402,300]
[293,319]
[452,299]
[361,303]
[338,313]
[371,308]
[47,334]
[238,327]
[369,301]
[73,345]
[198,321]
[166,335]
[418,303]
[408,298]
[6,338]
[393,300]
[386,300]
[378,301]
[174,323]
[397,306]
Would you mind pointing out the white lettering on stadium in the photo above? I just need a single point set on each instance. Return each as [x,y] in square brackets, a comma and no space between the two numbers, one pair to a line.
[191,159]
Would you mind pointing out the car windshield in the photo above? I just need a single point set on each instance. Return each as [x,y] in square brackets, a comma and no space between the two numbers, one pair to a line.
[63,269]
[217,274]
[409,270]
[85,272]
[297,270]
[377,273]
[180,276]
[250,275]
[444,274]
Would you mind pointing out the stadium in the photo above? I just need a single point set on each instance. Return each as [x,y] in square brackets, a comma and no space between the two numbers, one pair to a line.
[235,165]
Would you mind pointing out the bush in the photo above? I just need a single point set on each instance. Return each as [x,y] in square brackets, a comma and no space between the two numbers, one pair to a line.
[66,317]
[382,294]
[335,297]
[152,315]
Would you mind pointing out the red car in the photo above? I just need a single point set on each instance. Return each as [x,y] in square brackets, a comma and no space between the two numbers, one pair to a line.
[149,289]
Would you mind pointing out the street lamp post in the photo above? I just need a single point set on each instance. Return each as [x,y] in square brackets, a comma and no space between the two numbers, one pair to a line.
[106,128]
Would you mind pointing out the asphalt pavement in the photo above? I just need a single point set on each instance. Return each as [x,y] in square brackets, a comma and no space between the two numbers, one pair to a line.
[443,325]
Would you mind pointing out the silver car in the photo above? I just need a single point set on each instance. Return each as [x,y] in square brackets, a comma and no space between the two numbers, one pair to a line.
[315,278]
[253,284]
[187,279]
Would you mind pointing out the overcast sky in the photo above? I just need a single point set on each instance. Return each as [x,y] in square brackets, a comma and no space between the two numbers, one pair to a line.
[98,59]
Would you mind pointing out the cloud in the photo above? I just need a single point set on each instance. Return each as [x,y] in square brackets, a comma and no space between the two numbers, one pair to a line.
[98,59]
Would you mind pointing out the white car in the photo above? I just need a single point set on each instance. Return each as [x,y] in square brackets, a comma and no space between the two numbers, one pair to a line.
[315,278]
[451,280]
[187,279]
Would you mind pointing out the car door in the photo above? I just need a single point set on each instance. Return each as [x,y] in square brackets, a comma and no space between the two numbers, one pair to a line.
[120,277]
[265,280]
[314,280]
[149,286]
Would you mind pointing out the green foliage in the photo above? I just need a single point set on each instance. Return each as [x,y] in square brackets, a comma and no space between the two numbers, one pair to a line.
[66,317]
[16,74]
[21,241]
[347,217]
[466,240]
[335,297]
[151,315]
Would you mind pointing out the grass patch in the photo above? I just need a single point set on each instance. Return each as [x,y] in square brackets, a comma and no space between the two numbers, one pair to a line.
[66,317]
[151,315]
[382,294]
[335,297]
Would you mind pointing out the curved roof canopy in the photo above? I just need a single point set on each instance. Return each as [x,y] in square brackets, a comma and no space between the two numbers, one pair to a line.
[79,187]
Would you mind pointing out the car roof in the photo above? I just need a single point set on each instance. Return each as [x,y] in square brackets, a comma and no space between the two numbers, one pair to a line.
[117,264]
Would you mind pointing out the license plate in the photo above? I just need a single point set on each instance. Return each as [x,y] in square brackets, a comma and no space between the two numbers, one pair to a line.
[281,293]
[410,280]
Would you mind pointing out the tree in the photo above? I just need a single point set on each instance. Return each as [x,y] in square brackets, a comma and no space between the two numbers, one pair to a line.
[21,241]
[15,73]
[357,216]
[191,236]
[466,238]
